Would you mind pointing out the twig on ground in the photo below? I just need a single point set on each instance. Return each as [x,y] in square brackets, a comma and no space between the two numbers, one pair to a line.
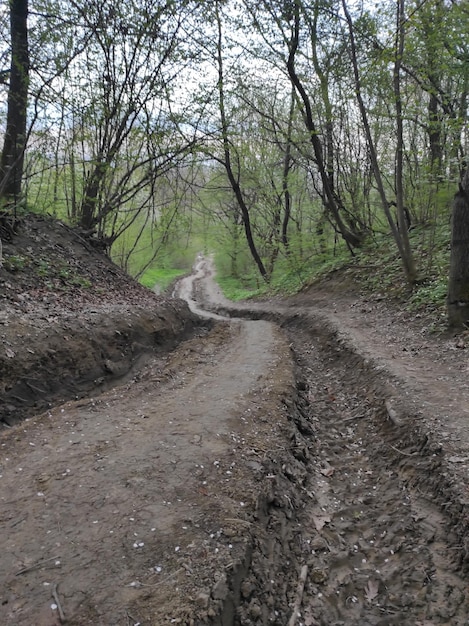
[55,596]
[402,451]
[34,388]
[299,595]
[354,417]
[38,564]
[18,398]
[236,520]
[130,619]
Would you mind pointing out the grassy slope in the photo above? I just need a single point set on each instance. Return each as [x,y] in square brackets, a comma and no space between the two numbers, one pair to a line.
[375,269]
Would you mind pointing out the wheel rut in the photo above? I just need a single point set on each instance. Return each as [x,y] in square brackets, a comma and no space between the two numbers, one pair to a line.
[377,542]
[365,517]
[264,473]
[377,516]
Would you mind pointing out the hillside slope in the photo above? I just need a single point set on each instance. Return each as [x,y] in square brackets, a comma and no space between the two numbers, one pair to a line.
[71,320]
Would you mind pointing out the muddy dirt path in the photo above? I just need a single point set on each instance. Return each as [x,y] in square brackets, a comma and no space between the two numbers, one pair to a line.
[132,507]
[384,530]
[268,472]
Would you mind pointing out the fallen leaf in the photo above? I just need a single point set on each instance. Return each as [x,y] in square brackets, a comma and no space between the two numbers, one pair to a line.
[309,620]
[327,471]
[320,521]
[371,590]
[458,459]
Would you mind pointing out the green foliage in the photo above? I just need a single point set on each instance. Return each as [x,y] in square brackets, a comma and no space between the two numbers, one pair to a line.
[235,289]
[43,268]
[378,270]
[52,275]
[70,278]
[163,240]
[245,282]
[375,269]
[159,279]
[15,263]
[163,188]
[304,264]
[49,186]
[431,294]
[60,276]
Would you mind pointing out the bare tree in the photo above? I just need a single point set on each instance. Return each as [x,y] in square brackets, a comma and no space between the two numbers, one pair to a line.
[402,220]
[399,233]
[331,200]
[227,162]
[134,139]
[295,21]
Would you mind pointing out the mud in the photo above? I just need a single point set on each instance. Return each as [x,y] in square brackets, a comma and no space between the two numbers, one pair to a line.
[381,545]
[308,468]
[383,529]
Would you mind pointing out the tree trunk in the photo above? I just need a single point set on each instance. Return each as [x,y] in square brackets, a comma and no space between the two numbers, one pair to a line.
[458,285]
[12,160]
[404,252]
[89,209]
[287,161]
[353,239]
[234,182]
[402,218]
[434,135]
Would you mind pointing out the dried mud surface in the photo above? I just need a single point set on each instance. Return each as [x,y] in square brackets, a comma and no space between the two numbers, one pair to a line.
[302,463]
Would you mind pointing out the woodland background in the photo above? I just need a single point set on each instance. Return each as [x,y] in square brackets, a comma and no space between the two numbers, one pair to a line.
[286,137]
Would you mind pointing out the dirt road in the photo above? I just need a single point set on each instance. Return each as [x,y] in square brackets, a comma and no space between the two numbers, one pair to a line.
[133,506]
[266,472]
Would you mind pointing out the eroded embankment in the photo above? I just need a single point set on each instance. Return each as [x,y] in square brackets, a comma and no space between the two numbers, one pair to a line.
[365,498]
[140,501]
[47,360]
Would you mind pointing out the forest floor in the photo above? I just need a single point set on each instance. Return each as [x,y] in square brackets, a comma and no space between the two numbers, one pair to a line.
[303,462]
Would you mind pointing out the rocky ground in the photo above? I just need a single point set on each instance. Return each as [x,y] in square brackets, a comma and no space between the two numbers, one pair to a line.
[304,462]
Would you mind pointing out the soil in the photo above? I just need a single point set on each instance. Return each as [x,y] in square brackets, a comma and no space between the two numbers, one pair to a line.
[287,462]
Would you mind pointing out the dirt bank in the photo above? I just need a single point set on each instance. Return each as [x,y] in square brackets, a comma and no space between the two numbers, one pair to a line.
[71,321]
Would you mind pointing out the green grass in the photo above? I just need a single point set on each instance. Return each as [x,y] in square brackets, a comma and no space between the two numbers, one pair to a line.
[235,289]
[160,277]
[290,277]
[375,269]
